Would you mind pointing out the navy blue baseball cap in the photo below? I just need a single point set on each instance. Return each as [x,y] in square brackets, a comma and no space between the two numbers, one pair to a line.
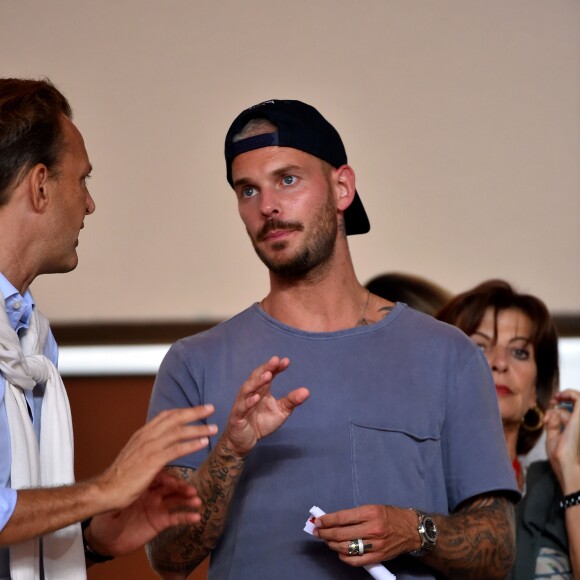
[302,127]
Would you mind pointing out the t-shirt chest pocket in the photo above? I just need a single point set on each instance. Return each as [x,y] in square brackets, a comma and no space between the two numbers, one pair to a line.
[390,465]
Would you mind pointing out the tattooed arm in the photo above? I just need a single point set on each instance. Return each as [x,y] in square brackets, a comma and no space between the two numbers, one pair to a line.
[175,553]
[476,542]
[254,415]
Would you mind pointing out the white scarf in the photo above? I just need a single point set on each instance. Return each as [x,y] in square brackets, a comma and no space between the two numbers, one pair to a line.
[23,365]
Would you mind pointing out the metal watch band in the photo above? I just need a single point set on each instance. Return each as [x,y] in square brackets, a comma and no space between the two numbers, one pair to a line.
[428,533]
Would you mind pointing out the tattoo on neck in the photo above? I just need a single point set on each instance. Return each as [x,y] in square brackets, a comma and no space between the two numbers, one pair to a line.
[383,311]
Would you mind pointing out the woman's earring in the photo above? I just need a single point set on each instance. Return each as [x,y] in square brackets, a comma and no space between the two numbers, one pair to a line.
[533,420]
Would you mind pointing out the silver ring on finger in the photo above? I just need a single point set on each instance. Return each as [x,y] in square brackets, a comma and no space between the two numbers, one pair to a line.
[356,547]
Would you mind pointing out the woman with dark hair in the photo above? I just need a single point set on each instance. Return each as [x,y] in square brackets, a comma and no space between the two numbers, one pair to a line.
[519,339]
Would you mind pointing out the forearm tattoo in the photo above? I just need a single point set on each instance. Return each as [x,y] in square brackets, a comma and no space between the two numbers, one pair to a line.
[477,541]
[183,548]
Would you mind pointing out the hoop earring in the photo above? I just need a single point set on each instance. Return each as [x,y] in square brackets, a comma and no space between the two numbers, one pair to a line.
[539,422]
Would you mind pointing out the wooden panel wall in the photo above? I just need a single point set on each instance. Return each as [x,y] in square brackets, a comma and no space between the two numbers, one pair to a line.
[106,411]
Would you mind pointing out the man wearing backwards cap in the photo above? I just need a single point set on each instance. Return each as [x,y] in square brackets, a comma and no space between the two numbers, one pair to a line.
[394,414]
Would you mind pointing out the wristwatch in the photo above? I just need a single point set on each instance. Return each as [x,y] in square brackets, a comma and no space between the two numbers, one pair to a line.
[428,534]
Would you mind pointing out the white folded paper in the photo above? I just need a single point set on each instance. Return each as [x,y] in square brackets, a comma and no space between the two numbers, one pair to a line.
[377,571]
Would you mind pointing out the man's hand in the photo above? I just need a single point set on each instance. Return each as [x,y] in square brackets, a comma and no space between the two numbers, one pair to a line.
[127,483]
[256,413]
[475,542]
[386,532]
[169,436]
[167,502]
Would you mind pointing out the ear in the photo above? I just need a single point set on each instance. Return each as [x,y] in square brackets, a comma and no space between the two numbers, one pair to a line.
[40,185]
[345,182]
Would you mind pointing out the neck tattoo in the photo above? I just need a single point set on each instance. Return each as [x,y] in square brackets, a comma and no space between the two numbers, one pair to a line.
[363,321]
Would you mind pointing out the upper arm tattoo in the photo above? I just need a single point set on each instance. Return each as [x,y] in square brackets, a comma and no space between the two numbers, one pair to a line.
[478,540]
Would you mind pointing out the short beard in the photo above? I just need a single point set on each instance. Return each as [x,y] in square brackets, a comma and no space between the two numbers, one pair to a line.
[318,249]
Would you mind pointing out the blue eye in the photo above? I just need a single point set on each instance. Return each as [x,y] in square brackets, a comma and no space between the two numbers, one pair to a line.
[289,180]
[249,191]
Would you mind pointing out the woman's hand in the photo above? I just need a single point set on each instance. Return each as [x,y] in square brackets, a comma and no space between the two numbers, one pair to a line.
[563,440]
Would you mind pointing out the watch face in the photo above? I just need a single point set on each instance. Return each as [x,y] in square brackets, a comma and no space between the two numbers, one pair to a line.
[430,529]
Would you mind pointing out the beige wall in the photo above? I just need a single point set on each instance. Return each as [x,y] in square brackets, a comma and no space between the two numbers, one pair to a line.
[461,119]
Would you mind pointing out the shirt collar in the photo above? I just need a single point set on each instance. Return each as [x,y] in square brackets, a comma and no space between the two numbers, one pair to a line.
[18,308]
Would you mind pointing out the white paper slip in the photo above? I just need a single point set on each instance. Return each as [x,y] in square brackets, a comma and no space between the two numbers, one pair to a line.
[377,571]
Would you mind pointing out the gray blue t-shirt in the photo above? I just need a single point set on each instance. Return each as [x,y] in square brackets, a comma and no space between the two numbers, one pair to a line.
[401,412]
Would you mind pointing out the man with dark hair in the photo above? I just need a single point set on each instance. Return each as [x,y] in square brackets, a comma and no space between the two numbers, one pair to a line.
[43,202]
[400,410]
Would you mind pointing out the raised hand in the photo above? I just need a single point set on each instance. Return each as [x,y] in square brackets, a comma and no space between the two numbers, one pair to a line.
[563,440]
[256,413]
[169,436]
[131,482]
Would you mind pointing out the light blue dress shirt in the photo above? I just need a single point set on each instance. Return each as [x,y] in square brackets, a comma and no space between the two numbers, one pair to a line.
[19,309]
